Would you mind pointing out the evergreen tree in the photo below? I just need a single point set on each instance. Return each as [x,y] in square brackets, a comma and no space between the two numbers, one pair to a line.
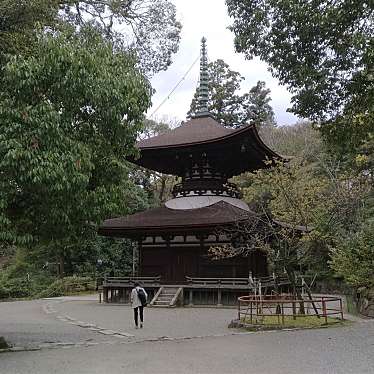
[229,107]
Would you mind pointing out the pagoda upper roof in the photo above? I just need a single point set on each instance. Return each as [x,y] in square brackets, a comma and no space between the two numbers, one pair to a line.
[195,131]
[231,151]
[164,220]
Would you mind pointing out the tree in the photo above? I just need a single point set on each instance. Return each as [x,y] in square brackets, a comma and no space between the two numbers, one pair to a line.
[257,106]
[227,105]
[19,21]
[302,209]
[300,139]
[149,29]
[158,186]
[353,257]
[69,115]
[323,51]
[285,201]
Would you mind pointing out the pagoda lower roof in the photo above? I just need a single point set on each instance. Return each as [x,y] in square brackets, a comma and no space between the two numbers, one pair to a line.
[163,220]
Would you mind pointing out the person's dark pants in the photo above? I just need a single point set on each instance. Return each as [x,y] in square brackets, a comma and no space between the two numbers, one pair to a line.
[140,308]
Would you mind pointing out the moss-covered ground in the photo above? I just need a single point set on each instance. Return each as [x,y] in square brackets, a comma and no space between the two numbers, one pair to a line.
[275,322]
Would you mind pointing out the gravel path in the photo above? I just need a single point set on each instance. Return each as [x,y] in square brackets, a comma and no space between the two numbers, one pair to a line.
[75,335]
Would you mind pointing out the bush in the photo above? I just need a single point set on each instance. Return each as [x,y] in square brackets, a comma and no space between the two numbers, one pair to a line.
[68,285]
[3,343]
[14,288]
[353,259]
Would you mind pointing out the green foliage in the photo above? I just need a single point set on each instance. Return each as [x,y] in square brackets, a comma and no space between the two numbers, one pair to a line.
[68,285]
[291,195]
[103,256]
[71,107]
[301,321]
[301,139]
[69,115]
[3,343]
[314,47]
[228,106]
[21,278]
[158,186]
[323,51]
[32,271]
[19,21]
[148,27]
[353,257]
[313,204]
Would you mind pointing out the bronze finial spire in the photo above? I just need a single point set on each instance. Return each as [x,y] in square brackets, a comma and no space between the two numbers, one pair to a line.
[202,109]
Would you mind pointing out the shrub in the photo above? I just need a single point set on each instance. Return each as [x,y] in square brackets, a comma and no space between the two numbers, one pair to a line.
[68,285]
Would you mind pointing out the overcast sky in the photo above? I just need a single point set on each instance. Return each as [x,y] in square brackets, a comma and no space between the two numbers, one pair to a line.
[209,18]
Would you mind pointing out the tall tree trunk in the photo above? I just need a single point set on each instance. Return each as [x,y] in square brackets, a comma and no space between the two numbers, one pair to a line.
[61,266]
[296,291]
[162,189]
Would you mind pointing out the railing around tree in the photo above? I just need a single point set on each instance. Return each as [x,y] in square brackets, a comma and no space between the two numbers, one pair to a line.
[253,310]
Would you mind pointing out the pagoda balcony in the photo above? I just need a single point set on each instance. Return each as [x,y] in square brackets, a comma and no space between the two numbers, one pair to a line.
[206,187]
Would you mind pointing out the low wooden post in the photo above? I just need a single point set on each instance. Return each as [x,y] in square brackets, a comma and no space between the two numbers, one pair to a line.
[294,309]
[341,309]
[238,309]
[251,310]
[324,311]
[99,297]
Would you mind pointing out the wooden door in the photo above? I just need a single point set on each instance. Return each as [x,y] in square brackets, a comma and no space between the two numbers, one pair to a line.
[184,263]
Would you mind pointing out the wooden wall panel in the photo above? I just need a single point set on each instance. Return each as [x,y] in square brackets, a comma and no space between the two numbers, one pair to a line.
[175,263]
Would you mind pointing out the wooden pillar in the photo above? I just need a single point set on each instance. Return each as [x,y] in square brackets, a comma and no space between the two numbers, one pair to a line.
[191,297]
[199,257]
[105,294]
[170,272]
[253,264]
[139,270]
[233,268]
[219,297]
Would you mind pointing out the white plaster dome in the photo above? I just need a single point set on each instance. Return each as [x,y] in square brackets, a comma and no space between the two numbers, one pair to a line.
[194,202]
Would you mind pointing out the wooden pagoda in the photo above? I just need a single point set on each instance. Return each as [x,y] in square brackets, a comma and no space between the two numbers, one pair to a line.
[174,239]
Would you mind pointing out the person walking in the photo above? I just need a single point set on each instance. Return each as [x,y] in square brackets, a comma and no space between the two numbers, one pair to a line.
[138,302]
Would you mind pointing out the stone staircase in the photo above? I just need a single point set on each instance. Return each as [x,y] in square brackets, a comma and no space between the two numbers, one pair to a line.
[167,297]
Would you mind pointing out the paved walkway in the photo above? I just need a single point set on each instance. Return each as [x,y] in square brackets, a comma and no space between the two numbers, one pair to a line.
[158,322]
[78,335]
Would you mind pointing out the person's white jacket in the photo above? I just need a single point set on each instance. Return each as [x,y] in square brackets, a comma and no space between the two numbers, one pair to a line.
[135,301]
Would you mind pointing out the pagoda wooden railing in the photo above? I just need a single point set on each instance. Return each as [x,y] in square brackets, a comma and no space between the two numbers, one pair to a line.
[202,187]
[218,281]
[250,282]
[115,281]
